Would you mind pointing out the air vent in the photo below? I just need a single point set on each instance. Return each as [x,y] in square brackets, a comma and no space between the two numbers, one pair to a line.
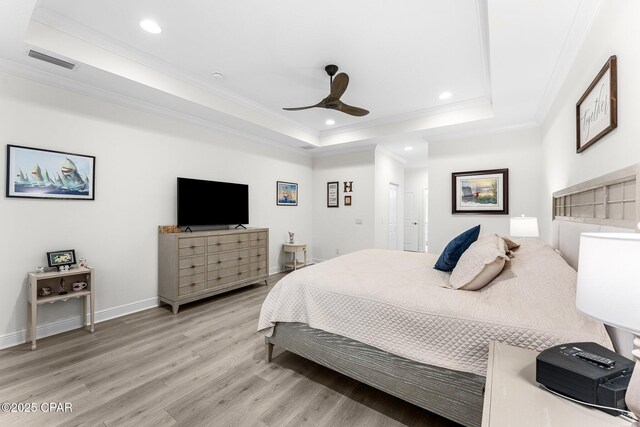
[51,60]
[308,147]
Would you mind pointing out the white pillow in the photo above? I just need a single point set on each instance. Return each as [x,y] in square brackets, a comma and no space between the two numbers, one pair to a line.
[479,264]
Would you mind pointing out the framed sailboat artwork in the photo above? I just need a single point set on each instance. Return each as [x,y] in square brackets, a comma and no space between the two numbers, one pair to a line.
[36,173]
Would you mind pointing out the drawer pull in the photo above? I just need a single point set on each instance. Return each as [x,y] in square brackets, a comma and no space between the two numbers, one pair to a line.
[239,241]
[259,255]
[240,259]
[239,273]
[218,243]
[219,277]
[193,247]
[193,266]
[219,262]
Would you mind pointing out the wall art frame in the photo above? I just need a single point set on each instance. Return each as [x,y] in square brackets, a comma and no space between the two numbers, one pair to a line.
[480,192]
[36,173]
[597,108]
[333,194]
[286,193]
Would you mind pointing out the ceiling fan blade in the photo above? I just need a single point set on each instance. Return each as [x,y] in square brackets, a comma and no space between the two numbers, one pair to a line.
[319,104]
[348,109]
[339,85]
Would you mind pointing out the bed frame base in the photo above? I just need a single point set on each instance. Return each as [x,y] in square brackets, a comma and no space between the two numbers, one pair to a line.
[455,395]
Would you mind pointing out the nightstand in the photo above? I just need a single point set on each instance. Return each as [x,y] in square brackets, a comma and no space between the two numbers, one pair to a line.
[293,249]
[512,396]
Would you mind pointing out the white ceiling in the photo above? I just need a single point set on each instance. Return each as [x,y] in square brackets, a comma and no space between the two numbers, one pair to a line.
[501,59]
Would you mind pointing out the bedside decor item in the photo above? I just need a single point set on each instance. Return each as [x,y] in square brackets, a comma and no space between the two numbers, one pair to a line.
[286,193]
[597,109]
[608,290]
[82,263]
[61,289]
[347,200]
[480,192]
[333,194]
[78,286]
[291,237]
[47,174]
[40,269]
[44,292]
[524,226]
[61,258]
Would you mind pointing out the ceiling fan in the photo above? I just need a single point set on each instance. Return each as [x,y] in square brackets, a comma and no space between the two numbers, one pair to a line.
[337,88]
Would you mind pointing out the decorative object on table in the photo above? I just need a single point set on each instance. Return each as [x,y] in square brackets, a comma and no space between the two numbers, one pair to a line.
[333,194]
[44,292]
[524,226]
[166,229]
[347,200]
[480,192]
[291,237]
[40,269]
[48,174]
[78,286]
[348,187]
[597,109]
[82,263]
[61,258]
[608,290]
[286,193]
[61,289]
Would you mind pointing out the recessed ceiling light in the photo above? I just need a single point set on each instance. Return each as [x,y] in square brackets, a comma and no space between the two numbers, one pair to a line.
[445,95]
[150,26]
[330,122]
[217,75]
[408,148]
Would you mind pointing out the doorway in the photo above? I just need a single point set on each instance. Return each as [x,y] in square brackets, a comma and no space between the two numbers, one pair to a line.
[393,216]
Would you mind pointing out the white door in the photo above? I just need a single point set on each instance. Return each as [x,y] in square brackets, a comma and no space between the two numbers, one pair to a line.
[426,220]
[411,229]
[393,216]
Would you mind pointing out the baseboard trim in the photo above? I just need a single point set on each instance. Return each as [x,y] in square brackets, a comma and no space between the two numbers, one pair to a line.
[20,337]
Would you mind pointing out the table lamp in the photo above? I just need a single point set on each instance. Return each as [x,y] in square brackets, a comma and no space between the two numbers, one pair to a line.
[524,226]
[609,290]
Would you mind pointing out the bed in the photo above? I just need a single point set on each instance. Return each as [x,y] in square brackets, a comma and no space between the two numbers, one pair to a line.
[384,318]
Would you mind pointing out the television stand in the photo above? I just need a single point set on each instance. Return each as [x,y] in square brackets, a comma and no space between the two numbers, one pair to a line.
[240,225]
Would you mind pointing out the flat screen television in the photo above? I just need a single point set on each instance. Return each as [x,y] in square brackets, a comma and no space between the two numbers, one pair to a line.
[203,202]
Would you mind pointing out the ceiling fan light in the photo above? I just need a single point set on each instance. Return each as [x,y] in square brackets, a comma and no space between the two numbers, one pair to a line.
[445,95]
[150,26]
[330,122]
[408,148]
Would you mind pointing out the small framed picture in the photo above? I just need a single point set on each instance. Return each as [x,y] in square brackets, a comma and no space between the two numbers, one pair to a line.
[347,200]
[286,193]
[480,192]
[61,258]
[333,200]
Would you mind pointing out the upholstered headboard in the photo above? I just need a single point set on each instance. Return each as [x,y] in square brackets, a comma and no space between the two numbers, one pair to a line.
[607,204]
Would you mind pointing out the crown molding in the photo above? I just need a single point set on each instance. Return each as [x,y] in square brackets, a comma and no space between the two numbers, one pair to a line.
[65,83]
[581,25]
[386,152]
[489,130]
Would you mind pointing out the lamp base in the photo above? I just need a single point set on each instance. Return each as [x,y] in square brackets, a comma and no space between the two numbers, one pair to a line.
[632,397]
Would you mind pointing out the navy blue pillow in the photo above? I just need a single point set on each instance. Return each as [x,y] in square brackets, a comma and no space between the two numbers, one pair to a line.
[454,250]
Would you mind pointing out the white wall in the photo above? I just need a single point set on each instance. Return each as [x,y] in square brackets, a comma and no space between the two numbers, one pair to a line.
[388,169]
[519,151]
[416,181]
[335,229]
[138,157]
[614,32]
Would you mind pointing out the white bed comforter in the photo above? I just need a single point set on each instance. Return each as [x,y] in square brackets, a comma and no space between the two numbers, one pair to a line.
[395,301]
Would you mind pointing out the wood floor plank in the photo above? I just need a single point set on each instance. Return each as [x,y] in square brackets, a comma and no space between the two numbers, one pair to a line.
[204,366]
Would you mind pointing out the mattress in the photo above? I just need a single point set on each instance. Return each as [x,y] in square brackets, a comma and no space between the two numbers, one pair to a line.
[396,301]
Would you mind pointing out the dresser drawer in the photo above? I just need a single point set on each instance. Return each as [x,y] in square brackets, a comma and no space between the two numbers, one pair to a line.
[258,251]
[190,251]
[221,282]
[191,262]
[258,238]
[188,280]
[218,258]
[191,271]
[190,289]
[213,268]
[215,245]
[259,271]
[258,262]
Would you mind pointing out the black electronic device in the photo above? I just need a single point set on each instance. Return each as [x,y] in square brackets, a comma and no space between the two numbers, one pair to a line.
[587,372]
[208,203]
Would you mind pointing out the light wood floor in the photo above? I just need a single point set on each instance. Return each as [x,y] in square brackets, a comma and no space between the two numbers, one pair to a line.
[202,367]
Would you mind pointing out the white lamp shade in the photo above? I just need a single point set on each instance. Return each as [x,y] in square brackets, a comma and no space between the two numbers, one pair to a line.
[609,280]
[524,226]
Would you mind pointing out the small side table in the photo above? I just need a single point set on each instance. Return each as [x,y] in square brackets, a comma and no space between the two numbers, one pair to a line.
[512,396]
[52,280]
[294,248]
